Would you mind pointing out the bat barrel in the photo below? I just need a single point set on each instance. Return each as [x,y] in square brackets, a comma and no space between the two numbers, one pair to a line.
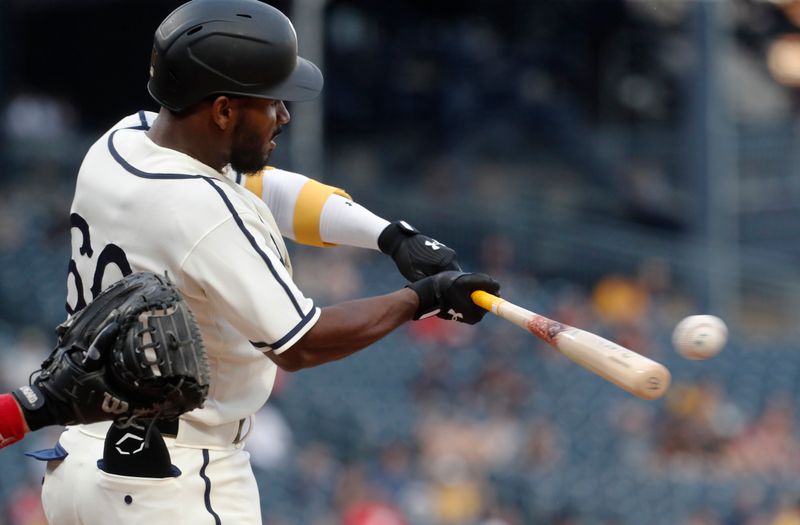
[630,371]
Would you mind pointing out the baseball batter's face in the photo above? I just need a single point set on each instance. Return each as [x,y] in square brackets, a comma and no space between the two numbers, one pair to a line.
[254,134]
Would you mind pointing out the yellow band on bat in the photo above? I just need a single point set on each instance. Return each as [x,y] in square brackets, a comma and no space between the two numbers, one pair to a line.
[308,209]
[486,300]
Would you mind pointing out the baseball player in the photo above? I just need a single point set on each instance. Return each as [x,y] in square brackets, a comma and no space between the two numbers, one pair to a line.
[187,191]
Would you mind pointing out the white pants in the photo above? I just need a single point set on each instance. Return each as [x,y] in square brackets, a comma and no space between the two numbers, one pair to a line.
[215,487]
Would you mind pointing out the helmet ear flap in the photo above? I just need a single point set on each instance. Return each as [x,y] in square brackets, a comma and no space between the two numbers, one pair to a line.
[235,47]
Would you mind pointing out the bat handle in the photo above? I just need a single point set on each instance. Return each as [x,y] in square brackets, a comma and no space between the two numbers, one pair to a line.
[486,300]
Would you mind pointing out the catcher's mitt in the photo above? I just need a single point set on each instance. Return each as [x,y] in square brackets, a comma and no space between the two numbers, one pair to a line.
[134,352]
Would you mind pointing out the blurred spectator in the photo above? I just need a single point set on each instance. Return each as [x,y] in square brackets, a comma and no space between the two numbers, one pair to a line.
[11,228]
[458,490]
[476,444]
[270,439]
[394,473]
[788,514]
[620,299]
[544,448]
[499,392]
[696,431]
[769,444]
[498,259]
[317,471]
[363,503]
[633,424]
[23,357]
[650,196]
[38,116]
[372,513]
[25,507]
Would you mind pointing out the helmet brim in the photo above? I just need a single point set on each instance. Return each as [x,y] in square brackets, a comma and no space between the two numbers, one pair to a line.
[304,83]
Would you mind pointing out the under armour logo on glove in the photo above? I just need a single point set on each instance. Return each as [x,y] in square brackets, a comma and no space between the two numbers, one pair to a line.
[4,441]
[434,244]
[455,316]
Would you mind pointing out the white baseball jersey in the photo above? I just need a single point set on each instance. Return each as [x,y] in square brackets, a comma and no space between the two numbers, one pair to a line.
[139,207]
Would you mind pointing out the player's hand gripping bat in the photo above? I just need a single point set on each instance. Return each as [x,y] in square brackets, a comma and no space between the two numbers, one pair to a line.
[625,368]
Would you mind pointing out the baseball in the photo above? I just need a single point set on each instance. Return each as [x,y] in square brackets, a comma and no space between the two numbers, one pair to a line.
[700,336]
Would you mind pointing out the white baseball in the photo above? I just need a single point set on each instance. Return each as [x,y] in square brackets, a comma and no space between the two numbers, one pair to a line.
[700,336]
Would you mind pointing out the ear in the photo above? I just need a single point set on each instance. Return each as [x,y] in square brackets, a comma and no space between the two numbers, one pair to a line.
[224,111]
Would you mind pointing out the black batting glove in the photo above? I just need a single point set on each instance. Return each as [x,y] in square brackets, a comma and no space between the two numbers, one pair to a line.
[447,295]
[415,255]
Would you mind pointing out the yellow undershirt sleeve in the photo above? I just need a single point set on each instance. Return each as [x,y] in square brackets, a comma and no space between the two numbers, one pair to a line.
[308,210]
[255,183]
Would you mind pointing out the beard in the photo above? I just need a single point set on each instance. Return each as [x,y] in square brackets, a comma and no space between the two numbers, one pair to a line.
[248,154]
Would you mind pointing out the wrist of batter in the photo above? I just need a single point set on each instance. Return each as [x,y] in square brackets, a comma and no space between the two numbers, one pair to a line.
[12,424]
[429,300]
[393,236]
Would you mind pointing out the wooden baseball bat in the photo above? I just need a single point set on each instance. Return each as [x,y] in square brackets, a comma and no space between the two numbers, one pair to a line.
[625,368]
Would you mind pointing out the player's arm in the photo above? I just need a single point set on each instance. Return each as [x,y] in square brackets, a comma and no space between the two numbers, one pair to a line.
[317,214]
[345,328]
[238,269]
[348,327]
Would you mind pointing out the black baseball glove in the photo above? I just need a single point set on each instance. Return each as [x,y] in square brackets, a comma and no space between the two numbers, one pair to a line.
[134,352]
[416,255]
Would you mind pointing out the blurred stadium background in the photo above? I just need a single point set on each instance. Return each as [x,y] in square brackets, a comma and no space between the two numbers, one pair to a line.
[616,164]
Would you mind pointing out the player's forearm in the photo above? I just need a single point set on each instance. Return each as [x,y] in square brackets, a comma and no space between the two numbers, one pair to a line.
[347,223]
[346,328]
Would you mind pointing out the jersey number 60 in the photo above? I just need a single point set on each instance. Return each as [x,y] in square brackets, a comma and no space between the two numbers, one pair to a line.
[110,254]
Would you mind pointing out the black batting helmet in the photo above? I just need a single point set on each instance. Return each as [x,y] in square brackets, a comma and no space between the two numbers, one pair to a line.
[228,47]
